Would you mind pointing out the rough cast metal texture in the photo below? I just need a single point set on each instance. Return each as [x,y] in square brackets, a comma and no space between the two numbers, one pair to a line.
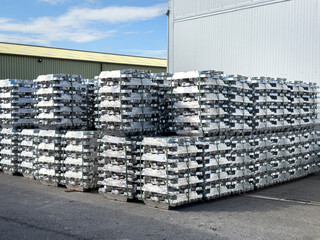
[61,102]
[79,160]
[127,103]
[16,103]
[166,139]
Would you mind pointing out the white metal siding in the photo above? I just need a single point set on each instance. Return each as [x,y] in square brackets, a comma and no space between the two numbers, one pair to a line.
[183,8]
[276,40]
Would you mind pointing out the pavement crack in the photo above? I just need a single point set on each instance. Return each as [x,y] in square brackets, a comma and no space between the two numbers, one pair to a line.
[42,229]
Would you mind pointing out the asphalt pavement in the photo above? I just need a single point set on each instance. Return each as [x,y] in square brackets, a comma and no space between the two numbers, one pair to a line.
[30,211]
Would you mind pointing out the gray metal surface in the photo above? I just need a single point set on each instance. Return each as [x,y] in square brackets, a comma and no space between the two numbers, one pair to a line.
[32,211]
[276,38]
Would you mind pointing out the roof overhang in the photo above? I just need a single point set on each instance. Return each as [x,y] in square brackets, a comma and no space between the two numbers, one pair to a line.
[48,52]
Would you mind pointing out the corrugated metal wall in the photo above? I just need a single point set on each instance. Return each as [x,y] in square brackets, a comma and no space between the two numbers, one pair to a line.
[273,38]
[184,8]
[107,67]
[23,67]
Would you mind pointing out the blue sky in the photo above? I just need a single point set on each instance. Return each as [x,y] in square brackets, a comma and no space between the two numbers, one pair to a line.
[133,27]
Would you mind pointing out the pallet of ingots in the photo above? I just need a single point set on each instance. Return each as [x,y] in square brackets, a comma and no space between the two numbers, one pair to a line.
[90,101]
[299,152]
[269,102]
[26,152]
[226,166]
[164,88]
[16,103]
[79,160]
[61,102]
[242,147]
[303,101]
[215,158]
[317,145]
[295,104]
[127,103]
[308,149]
[309,100]
[282,157]
[240,104]
[171,171]
[277,147]
[9,150]
[289,156]
[117,167]
[262,147]
[281,152]
[198,103]
[47,144]
[316,137]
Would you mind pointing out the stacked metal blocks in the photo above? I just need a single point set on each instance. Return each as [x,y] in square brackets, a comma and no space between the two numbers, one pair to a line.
[285,116]
[118,167]
[235,133]
[198,103]
[164,86]
[66,158]
[252,133]
[171,171]
[90,85]
[126,110]
[126,103]
[227,164]
[27,154]
[239,103]
[165,139]
[61,102]
[16,113]
[79,160]
[65,149]
[48,161]
[16,103]
[9,151]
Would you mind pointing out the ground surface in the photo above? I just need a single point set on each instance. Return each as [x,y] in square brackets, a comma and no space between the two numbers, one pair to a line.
[30,211]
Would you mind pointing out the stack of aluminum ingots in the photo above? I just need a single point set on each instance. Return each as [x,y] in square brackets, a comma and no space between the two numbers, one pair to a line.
[90,85]
[9,152]
[48,166]
[79,160]
[240,104]
[227,165]
[216,135]
[126,103]
[61,102]
[65,149]
[27,154]
[126,110]
[118,166]
[271,108]
[251,133]
[217,109]
[16,103]
[164,86]
[171,172]
[198,103]
[285,114]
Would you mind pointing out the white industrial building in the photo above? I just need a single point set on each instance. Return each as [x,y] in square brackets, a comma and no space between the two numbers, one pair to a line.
[275,38]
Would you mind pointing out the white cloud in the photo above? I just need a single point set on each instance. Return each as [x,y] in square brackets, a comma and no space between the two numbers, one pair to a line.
[130,33]
[21,39]
[77,24]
